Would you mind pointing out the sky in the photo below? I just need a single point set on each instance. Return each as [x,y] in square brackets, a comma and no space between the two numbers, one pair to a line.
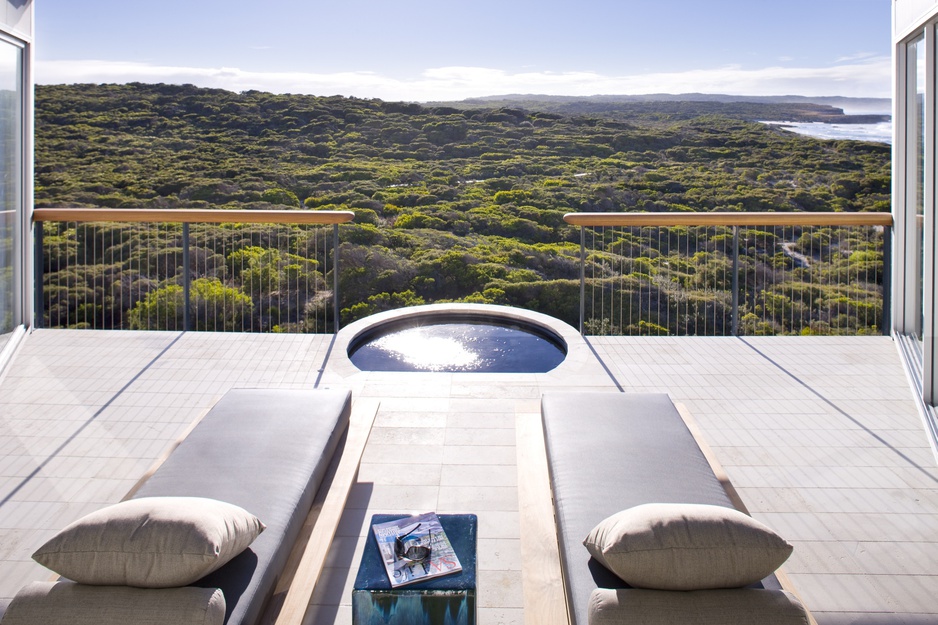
[422,50]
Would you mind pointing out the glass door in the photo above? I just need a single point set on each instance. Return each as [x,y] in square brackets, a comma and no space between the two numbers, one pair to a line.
[11,188]
[915,188]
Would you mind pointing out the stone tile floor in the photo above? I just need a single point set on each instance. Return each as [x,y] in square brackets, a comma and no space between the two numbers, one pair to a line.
[820,435]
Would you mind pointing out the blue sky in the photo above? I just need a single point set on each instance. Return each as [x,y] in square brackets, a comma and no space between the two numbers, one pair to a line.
[422,50]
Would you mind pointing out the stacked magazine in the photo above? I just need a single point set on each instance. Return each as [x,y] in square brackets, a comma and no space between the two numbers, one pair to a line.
[415,549]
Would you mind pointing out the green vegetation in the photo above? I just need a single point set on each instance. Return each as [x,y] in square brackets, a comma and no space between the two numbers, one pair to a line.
[452,202]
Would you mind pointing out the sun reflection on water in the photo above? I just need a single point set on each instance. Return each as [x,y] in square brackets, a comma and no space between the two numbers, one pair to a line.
[419,348]
[458,347]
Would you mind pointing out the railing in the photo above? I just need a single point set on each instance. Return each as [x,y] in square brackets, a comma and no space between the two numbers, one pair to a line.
[717,274]
[641,273]
[221,270]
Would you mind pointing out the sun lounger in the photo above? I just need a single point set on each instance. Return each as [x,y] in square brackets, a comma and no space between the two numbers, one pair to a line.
[266,451]
[607,452]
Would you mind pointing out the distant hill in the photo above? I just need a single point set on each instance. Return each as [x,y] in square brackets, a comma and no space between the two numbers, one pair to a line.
[830,109]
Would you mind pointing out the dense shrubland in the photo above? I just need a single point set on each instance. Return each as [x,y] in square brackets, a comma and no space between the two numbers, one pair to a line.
[452,202]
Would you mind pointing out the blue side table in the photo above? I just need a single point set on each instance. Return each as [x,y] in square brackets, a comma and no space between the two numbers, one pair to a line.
[446,600]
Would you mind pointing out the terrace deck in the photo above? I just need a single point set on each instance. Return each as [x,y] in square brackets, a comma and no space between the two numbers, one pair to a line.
[820,436]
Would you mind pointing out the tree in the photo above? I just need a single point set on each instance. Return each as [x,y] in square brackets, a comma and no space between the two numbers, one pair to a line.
[215,307]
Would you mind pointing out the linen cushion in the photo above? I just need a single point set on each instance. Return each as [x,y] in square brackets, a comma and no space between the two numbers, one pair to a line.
[42,603]
[668,546]
[738,606]
[154,542]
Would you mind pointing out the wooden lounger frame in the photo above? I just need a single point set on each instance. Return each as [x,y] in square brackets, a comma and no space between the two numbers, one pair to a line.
[545,598]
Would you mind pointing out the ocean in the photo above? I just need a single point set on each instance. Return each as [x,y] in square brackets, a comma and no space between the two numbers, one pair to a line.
[880,132]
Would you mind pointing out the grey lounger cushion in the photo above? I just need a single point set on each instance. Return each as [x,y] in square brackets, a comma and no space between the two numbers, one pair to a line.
[739,606]
[51,603]
[610,451]
[266,451]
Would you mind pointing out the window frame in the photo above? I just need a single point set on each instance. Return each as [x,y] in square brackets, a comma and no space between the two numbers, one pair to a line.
[22,301]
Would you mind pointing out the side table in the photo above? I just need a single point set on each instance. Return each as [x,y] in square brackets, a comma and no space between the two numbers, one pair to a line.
[446,600]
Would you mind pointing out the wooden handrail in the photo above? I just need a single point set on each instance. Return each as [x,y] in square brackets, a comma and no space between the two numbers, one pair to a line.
[187,215]
[729,219]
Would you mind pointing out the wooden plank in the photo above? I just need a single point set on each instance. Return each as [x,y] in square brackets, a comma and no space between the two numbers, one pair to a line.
[325,518]
[729,219]
[783,579]
[193,215]
[545,600]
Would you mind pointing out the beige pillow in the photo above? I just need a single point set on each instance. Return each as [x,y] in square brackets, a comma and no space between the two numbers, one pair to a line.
[669,546]
[42,603]
[739,606]
[154,542]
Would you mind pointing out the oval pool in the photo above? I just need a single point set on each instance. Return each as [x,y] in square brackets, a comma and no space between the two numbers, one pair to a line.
[457,343]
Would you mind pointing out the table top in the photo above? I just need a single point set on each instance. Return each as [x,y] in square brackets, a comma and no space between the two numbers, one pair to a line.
[462,531]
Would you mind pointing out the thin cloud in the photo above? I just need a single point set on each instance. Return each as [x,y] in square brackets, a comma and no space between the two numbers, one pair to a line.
[870,77]
[859,56]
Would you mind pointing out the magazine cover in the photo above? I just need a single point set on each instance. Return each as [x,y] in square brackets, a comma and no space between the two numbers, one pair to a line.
[415,549]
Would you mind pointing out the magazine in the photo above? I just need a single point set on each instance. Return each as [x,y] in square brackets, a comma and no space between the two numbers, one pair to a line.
[404,543]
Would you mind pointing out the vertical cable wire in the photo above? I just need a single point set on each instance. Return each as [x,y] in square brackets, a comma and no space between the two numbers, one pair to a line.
[620,278]
[294,243]
[682,282]
[240,247]
[317,254]
[325,256]
[270,254]
[92,276]
[602,274]
[592,282]
[141,280]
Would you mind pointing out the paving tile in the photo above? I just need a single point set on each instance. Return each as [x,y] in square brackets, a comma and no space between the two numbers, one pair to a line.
[458,499]
[880,527]
[393,454]
[406,439]
[345,552]
[840,593]
[477,475]
[481,420]
[395,496]
[401,474]
[499,589]
[477,454]
[335,587]
[477,437]
[898,559]
[499,554]
[410,419]
[328,613]
[500,616]
[822,558]
[499,524]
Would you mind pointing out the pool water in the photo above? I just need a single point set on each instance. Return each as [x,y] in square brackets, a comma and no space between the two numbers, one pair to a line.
[459,347]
